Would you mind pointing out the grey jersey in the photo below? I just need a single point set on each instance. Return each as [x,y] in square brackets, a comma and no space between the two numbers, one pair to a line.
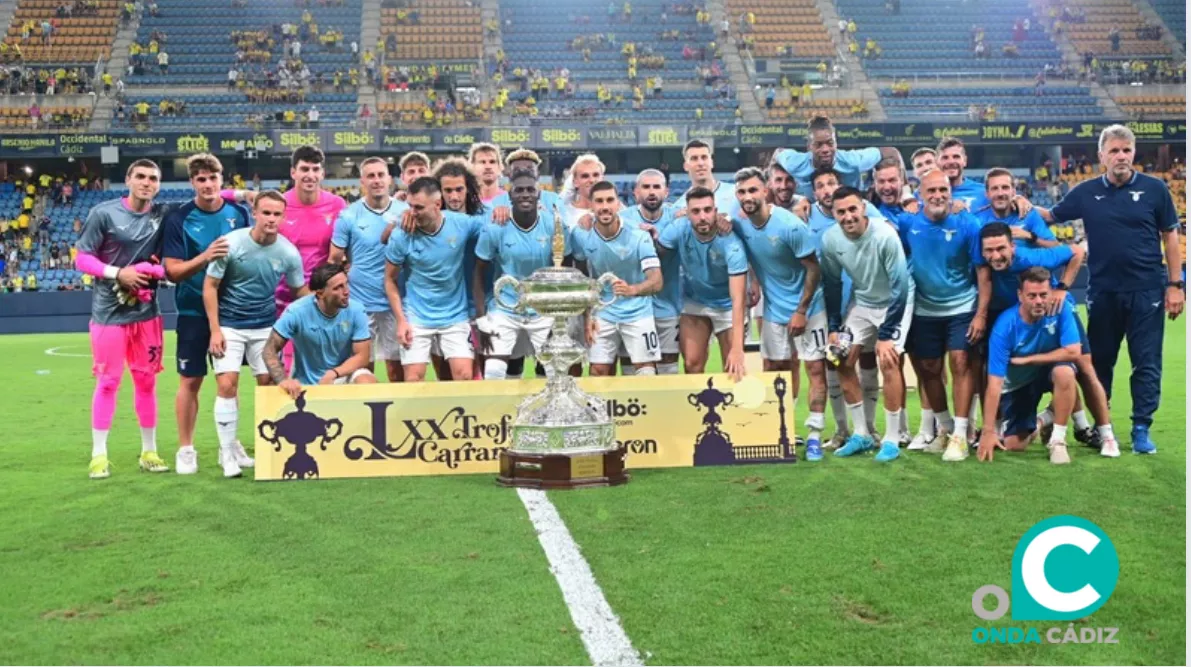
[120,237]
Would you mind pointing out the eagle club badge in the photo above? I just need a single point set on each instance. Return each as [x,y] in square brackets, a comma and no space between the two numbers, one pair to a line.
[947,234]
[1050,327]
[328,218]
[1137,194]
[452,241]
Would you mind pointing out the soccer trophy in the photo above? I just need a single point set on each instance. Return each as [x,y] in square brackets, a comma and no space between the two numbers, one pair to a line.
[562,436]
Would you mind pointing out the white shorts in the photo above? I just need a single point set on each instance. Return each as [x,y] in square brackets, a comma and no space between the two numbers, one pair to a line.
[721,320]
[640,339]
[454,341]
[777,344]
[356,374]
[667,334]
[383,327]
[863,323]
[509,332]
[243,344]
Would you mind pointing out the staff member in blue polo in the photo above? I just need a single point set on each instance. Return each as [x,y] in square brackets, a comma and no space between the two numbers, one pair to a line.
[1128,218]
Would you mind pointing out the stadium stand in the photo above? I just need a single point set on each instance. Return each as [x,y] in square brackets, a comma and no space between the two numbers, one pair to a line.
[785,108]
[1089,30]
[948,47]
[44,118]
[1010,103]
[682,105]
[201,50]
[81,35]
[785,28]
[432,30]
[1174,13]
[1154,106]
[235,111]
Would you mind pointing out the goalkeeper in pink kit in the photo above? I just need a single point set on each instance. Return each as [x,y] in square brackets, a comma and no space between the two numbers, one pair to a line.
[119,246]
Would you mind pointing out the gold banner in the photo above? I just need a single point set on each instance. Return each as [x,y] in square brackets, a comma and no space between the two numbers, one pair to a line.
[447,428]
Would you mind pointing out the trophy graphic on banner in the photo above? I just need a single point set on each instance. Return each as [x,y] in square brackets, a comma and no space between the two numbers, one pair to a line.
[562,437]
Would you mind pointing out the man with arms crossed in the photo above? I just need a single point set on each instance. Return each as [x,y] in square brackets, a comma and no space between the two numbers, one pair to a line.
[611,246]
[715,269]
[118,240]
[237,294]
[1030,352]
[330,334]
[357,238]
[870,252]
[194,237]
[781,251]
[1132,225]
[434,310]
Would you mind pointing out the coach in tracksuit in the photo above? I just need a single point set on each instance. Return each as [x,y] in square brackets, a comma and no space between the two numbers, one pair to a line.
[1128,217]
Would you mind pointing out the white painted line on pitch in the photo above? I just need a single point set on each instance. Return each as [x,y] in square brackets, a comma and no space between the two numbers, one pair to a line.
[600,629]
[57,352]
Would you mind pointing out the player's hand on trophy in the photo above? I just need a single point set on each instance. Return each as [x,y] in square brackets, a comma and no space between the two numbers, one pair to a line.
[218,344]
[291,387]
[405,334]
[621,288]
[734,365]
[502,214]
[216,250]
[797,324]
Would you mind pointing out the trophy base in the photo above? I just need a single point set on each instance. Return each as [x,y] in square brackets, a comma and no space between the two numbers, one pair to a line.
[561,471]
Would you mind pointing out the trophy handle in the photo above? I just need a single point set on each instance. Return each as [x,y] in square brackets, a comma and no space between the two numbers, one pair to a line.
[606,280]
[498,293]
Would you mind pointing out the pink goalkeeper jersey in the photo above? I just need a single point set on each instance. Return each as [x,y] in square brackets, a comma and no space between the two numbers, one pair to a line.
[309,228]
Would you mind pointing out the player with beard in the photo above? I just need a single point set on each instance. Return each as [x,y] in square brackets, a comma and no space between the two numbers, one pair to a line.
[628,253]
[461,194]
[952,291]
[699,163]
[782,193]
[822,153]
[193,237]
[715,269]
[485,160]
[517,249]
[953,159]
[825,183]
[357,239]
[654,215]
[1029,229]
[878,317]
[236,297]
[118,241]
[433,312]
[1007,261]
[781,251]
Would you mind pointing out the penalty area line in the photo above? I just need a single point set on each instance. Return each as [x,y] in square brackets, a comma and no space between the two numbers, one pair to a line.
[599,627]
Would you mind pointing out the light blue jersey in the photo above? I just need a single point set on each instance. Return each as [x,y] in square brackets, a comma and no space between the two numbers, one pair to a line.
[776,250]
[1032,223]
[944,257]
[435,296]
[321,342]
[707,265]
[667,304]
[850,165]
[1012,337]
[971,193]
[725,199]
[249,275]
[1004,283]
[627,255]
[820,221]
[876,264]
[189,231]
[518,252]
[358,231]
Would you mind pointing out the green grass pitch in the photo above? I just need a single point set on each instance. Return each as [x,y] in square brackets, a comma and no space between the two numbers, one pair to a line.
[845,561]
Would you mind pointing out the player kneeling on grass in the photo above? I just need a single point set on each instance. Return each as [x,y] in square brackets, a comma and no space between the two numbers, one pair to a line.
[1030,353]
[870,253]
[238,297]
[716,270]
[332,340]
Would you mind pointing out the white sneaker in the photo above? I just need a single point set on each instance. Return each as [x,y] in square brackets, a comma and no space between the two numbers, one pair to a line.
[957,448]
[1058,453]
[938,444]
[186,462]
[904,438]
[837,440]
[1110,449]
[227,459]
[921,442]
[242,457]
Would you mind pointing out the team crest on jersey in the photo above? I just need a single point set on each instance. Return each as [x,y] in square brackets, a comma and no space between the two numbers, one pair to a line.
[1137,194]
[452,241]
[1050,327]
[947,234]
[328,218]
[713,255]
[772,239]
[344,325]
[543,240]
[276,264]
[231,221]
[622,252]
